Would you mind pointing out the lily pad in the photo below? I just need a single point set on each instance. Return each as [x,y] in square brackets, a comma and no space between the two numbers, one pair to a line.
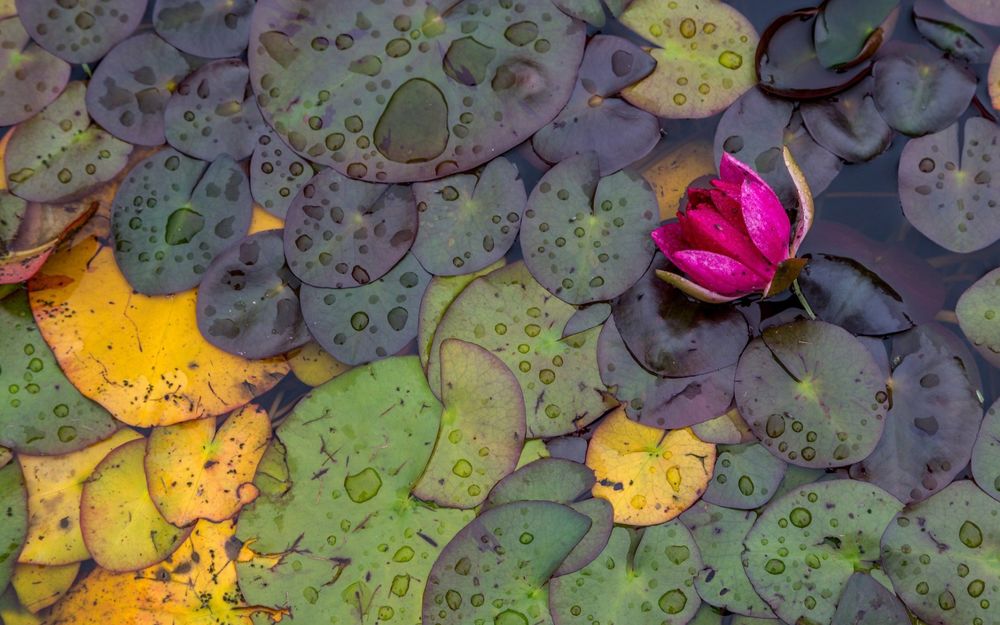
[848,31]
[665,403]
[587,317]
[941,556]
[277,173]
[812,394]
[947,191]
[704,52]
[59,155]
[728,428]
[482,427]
[212,113]
[848,124]
[950,32]
[919,91]
[671,335]
[468,222]
[745,477]
[508,313]
[984,11]
[586,238]
[82,31]
[590,11]
[247,304]
[993,80]
[838,523]
[722,581]
[44,413]
[986,453]
[207,28]
[976,311]
[866,601]
[14,507]
[638,578]
[201,209]
[38,586]
[344,233]
[931,427]
[346,94]
[23,67]
[130,88]
[670,170]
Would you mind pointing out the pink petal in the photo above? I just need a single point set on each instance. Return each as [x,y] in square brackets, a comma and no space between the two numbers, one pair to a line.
[736,171]
[670,239]
[766,220]
[705,229]
[718,273]
[728,207]
[698,196]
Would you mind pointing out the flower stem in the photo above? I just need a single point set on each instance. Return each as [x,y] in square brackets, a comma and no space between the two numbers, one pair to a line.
[802,299]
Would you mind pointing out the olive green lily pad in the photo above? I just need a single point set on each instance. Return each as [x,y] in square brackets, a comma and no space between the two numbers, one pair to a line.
[704,56]
[42,413]
[208,28]
[482,427]
[986,453]
[14,509]
[941,556]
[590,11]
[509,313]
[468,222]
[977,315]
[745,477]
[639,577]
[346,83]
[586,238]
[848,31]
[813,394]
[495,568]
[25,66]
[866,601]
[81,31]
[719,534]
[839,523]
[173,215]
[277,173]
[59,155]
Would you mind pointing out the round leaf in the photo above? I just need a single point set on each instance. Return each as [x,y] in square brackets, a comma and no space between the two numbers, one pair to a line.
[950,32]
[848,124]
[745,477]
[985,11]
[313,365]
[847,29]
[976,311]
[671,172]
[24,67]
[865,601]
[208,28]
[14,508]
[81,31]
[277,173]
[39,586]
[986,454]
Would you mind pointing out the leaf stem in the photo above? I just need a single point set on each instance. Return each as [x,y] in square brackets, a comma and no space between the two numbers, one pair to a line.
[802,299]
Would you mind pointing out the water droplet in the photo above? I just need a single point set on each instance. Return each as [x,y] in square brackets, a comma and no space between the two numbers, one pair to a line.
[363,485]
[674,478]
[774,567]
[462,468]
[970,535]
[510,617]
[730,59]
[673,601]
[182,226]
[746,486]
[800,517]
[66,433]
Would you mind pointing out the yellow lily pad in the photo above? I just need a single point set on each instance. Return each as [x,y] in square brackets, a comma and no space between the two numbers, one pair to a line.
[313,365]
[39,586]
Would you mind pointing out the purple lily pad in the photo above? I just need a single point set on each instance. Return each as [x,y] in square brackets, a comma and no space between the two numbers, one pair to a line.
[848,124]
[30,77]
[277,173]
[208,28]
[949,31]
[81,31]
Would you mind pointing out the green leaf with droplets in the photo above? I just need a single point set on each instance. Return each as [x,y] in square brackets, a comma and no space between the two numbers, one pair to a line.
[745,477]
[986,453]
[59,155]
[14,509]
[847,30]
[468,222]
[24,67]
[208,28]
[81,31]
[495,568]
[941,555]
[977,310]
[173,215]
[865,601]
[719,534]
[43,412]
[508,313]
[586,238]
[277,173]
[640,576]
[812,394]
[840,523]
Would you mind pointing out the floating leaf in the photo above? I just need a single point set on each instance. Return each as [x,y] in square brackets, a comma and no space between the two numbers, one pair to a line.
[83,31]
[277,173]
[590,11]
[719,534]
[950,32]
[839,523]
[941,556]
[14,508]
[986,454]
[143,375]
[13,613]
[985,11]
[208,28]
[638,578]
[24,67]
[726,429]
[848,124]
[745,477]
[467,223]
[346,97]
[672,172]
[313,365]
[59,155]
[703,56]
[131,86]
[39,586]
[976,310]
[587,317]
[508,313]
[812,394]
[947,191]
[866,601]
[649,476]
[848,31]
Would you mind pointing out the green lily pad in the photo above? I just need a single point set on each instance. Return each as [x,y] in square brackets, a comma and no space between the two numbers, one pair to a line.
[14,529]
[795,477]
[247,303]
[208,28]
[482,427]
[704,56]
[587,317]
[950,32]
[211,113]
[277,173]
[509,313]
[586,238]
[812,394]
[131,86]
[495,568]
[805,546]
[81,31]
[976,309]
[368,322]
[848,124]
[745,477]
[59,155]
[468,222]
[590,11]
[343,83]
[12,213]
[173,215]
[865,601]
[719,534]
[348,539]
[941,556]
[931,427]
[25,66]
[43,413]
[986,453]
[344,233]
[984,11]
[666,403]
[848,31]
[638,577]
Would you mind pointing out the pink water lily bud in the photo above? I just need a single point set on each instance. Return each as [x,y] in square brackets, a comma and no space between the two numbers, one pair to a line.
[735,239]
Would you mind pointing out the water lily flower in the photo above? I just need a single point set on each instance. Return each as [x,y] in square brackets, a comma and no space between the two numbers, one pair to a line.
[735,239]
